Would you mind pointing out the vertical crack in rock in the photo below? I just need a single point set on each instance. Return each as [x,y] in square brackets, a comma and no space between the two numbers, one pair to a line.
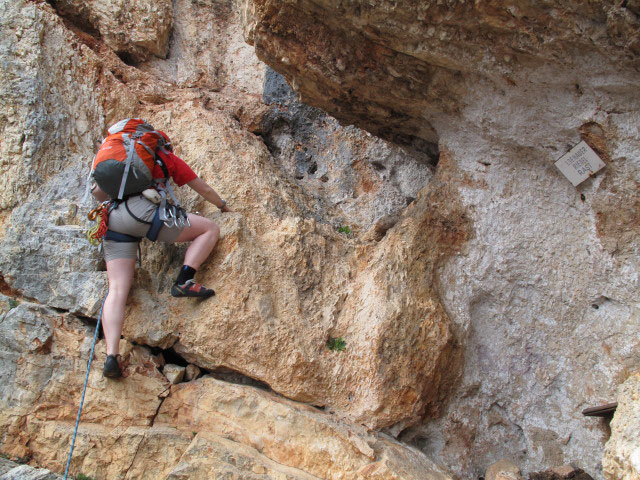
[162,397]
[133,459]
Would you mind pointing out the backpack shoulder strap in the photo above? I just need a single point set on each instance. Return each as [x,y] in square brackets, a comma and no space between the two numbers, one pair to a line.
[146,147]
[160,162]
[130,153]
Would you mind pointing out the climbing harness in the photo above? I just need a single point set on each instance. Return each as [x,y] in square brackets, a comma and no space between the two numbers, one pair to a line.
[100,215]
[84,389]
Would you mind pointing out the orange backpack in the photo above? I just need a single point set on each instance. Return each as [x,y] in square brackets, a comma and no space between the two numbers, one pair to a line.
[125,161]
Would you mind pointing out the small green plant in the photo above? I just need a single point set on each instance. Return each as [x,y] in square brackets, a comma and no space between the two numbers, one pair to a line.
[344,229]
[82,476]
[13,303]
[336,344]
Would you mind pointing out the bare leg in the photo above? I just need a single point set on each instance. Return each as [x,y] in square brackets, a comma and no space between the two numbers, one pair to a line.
[204,235]
[120,275]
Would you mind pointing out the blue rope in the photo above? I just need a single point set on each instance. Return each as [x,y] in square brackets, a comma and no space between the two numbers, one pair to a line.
[84,390]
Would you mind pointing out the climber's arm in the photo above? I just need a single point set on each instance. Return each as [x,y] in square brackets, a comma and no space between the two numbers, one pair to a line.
[208,193]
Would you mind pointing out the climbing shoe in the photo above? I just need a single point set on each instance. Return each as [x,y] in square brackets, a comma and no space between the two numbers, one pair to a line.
[111,367]
[191,289]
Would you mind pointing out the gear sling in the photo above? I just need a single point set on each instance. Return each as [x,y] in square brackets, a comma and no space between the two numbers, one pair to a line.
[124,166]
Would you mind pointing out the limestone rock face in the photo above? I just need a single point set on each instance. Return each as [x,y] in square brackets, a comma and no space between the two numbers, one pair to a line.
[299,437]
[282,271]
[208,49]
[290,276]
[44,359]
[503,470]
[134,30]
[141,427]
[548,279]
[452,288]
[389,66]
[622,453]
[287,284]
[344,169]
[29,261]
[13,471]
[174,373]
[47,120]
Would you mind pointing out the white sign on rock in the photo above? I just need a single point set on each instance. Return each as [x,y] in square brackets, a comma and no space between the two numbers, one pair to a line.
[579,163]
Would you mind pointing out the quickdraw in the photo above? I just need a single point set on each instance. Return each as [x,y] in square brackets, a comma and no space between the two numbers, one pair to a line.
[173,216]
[100,215]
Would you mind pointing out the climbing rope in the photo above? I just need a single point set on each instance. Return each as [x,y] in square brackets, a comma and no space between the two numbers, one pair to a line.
[98,231]
[84,390]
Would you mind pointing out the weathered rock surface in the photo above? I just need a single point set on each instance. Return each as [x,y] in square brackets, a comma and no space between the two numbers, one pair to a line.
[22,267]
[503,470]
[289,276]
[289,434]
[497,305]
[57,268]
[544,299]
[13,471]
[344,169]
[208,50]
[141,427]
[134,30]
[174,373]
[192,372]
[47,120]
[291,288]
[390,67]
[622,452]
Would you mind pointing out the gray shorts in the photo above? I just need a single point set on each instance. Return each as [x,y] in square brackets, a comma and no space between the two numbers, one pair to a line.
[122,220]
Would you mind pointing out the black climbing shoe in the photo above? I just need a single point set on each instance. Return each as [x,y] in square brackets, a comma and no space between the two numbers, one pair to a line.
[111,367]
[191,289]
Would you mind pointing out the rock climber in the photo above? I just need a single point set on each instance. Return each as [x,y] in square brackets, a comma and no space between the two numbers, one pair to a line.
[132,217]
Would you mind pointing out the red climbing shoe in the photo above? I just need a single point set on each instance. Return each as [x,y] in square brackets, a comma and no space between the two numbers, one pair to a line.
[191,289]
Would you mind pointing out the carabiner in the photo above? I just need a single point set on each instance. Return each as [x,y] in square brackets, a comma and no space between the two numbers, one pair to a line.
[169,217]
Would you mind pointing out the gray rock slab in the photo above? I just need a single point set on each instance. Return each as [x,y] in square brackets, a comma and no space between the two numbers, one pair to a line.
[26,472]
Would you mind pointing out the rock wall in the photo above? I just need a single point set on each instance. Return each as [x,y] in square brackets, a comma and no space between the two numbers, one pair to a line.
[144,427]
[10,470]
[622,452]
[288,281]
[484,301]
[543,298]
[343,168]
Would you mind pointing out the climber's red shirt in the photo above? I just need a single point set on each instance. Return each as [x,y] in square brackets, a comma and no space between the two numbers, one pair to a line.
[179,171]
